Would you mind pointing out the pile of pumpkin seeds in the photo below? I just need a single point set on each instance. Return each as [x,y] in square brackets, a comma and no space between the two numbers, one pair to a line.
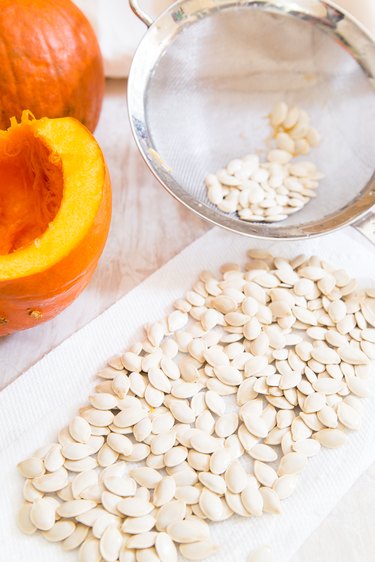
[215,413]
[270,191]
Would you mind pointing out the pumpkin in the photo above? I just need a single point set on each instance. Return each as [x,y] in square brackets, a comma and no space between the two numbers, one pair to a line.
[55,211]
[50,62]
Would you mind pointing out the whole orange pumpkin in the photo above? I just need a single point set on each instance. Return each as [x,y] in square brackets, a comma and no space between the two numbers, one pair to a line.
[50,62]
[55,211]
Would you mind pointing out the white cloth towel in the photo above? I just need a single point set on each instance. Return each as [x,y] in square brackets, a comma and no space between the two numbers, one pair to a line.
[119,31]
[44,399]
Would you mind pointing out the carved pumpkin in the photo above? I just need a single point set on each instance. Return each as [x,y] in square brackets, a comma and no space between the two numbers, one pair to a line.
[55,210]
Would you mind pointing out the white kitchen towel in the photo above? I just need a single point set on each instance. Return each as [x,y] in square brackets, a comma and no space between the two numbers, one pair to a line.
[44,399]
[119,31]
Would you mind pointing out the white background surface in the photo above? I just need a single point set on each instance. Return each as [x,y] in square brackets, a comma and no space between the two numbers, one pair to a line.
[148,228]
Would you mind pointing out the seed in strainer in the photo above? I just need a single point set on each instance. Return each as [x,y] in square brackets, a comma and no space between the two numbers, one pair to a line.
[272,190]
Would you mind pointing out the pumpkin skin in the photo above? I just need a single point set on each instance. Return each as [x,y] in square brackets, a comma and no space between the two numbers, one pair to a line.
[39,279]
[50,62]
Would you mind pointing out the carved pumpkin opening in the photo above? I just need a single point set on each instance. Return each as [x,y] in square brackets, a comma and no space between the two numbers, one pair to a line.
[31,188]
[55,211]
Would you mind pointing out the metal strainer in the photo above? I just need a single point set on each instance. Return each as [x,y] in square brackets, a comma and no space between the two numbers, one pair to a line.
[208,72]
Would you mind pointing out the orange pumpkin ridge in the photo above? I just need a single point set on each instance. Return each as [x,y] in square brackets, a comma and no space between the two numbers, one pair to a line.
[46,262]
[50,62]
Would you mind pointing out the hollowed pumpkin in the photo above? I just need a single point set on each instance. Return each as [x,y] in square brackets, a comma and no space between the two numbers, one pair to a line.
[55,210]
[50,62]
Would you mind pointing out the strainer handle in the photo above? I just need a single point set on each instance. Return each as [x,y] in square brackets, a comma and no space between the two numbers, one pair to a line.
[147,20]
[366,226]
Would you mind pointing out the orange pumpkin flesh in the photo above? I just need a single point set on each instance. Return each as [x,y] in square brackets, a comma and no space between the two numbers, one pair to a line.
[50,62]
[55,210]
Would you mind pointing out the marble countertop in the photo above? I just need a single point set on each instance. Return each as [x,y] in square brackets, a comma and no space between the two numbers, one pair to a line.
[148,228]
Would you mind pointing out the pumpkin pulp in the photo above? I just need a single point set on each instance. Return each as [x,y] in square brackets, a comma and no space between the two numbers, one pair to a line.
[31,188]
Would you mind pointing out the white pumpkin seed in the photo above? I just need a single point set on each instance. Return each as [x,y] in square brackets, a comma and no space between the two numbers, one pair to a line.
[164,491]
[165,548]
[262,452]
[135,507]
[102,524]
[351,355]
[51,482]
[285,485]
[291,463]
[31,468]
[265,474]
[75,507]
[191,529]
[42,514]
[137,525]
[76,538]
[252,499]
[357,386]
[24,521]
[348,416]
[271,501]
[330,438]
[146,476]
[205,443]
[307,447]
[89,551]
[198,550]
[141,541]
[60,531]
[261,554]
[169,513]
[120,443]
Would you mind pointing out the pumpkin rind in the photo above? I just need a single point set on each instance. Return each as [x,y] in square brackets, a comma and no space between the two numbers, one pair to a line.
[28,300]
[50,62]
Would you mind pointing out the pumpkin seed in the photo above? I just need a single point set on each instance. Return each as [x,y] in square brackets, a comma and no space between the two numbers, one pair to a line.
[330,438]
[24,521]
[198,550]
[264,473]
[120,486]
[291,463]
[89,551]
[261,554]
[145,476]
[135,507]
[263,453]
[271,501]
[75,507]
[30,468]
[165,548]
[129,417]
[103,523]
[137,525]
[42,515]
[142,540]
[169,513]
[252,499]
[60,531]
[76,538]
[189,530]
[285,485]
[51,482]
